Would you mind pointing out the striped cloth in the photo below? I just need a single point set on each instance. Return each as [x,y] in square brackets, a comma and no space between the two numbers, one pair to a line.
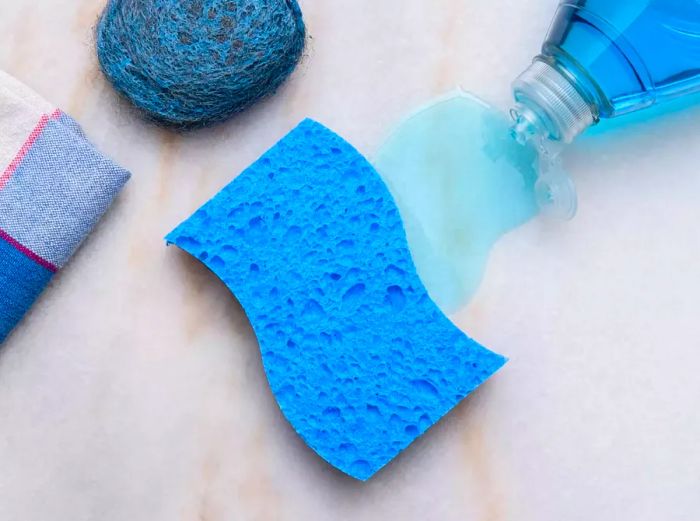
[54,187]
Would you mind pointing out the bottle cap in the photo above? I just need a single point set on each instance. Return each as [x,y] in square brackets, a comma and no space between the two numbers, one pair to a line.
[555,191]
[548,104]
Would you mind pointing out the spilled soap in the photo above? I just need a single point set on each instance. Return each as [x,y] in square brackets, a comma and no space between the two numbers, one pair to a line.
[461,181]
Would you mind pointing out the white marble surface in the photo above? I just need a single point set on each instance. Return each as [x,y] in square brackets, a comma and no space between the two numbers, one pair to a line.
[134,390]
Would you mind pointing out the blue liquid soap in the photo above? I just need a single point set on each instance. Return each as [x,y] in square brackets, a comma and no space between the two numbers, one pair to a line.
[463,175]
[618,57]
[603,59]
[460,181]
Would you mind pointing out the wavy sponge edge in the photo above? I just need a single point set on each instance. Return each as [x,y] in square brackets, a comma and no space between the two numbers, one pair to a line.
[359,358]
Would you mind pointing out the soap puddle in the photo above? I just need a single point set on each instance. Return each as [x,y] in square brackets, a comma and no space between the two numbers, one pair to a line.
[461,182]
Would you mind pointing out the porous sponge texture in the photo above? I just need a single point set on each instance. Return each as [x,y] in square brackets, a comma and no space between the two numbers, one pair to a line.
[359,358]
[194,62]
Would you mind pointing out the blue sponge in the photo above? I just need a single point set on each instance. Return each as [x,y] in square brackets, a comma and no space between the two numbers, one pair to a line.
[359,358]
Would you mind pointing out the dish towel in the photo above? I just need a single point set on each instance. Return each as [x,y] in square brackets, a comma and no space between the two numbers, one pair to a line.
[54,187]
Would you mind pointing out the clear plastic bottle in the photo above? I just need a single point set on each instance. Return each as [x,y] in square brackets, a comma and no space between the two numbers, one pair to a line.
[605,58]
[462,181]
[602,59]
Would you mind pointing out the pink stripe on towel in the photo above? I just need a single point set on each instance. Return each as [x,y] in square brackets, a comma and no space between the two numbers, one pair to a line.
[26,147]
[27,252]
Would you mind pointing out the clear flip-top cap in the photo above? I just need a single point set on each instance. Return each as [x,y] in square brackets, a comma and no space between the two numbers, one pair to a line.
[550,112]
[548,103]
[555,191]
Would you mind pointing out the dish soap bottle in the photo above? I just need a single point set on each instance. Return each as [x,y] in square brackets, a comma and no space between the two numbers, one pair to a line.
[602,59]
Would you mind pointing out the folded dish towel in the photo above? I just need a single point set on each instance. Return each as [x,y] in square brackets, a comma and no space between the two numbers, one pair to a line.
[54,187]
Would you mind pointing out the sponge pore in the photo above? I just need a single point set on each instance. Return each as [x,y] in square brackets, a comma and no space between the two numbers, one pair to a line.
[359,358]
[189,63]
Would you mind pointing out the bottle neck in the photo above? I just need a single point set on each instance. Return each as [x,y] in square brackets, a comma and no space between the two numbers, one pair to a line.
[549,107]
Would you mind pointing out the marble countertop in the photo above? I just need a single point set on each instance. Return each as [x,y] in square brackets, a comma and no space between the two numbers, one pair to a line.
[135,390]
